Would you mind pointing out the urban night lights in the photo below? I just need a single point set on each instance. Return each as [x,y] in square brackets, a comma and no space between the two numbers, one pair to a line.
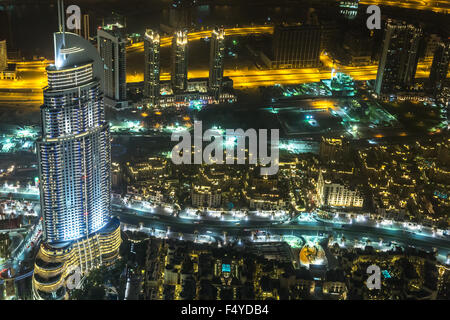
[74,168]
[254,150]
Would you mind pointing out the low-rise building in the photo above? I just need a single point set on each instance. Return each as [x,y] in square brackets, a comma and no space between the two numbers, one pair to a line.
[337,195]
[206,196]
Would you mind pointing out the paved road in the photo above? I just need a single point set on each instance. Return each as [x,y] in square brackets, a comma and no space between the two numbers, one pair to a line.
[353,231]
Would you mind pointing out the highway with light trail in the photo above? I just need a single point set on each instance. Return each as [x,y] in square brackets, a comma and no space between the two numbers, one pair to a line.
[438,6]
[160,219]
[298,228]
[32,76]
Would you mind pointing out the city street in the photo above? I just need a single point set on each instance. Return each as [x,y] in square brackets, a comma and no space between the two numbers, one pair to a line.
[351,231]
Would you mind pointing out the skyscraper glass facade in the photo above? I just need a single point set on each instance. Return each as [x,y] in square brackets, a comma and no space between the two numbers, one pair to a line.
[216,61]
[152,66]
[111,40]
[398,62]
[179,61]
[439,68]
[75,170]
[74,154]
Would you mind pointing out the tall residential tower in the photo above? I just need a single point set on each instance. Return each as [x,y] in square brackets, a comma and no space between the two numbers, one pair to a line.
[152,67]
[439,68]
[349,8]
[75,170]
[216,56]
[3,55]
[179,61]
[398,62]
[111,41]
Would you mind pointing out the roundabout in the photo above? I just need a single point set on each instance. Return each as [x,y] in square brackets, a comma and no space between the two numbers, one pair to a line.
[312,253]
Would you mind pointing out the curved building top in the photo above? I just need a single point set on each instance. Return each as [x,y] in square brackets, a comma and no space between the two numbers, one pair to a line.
[73,51]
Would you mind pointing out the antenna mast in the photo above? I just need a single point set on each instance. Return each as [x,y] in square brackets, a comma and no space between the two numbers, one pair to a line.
[63,22]
[59,16]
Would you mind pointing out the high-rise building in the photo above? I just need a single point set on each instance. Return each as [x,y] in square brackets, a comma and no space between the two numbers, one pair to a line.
[7,71]
[216,57]
[296,46]
[111,41]
[6,24]
[75,170]
[179,61]
[3,55]
[349,8]
[86,26]
[398,62]
[152,67]
[439,68]
[432,43]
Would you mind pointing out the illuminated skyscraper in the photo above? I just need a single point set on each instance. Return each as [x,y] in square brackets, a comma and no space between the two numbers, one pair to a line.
[432,43]
[152,66]
[111,40]
[74,150]
[179,61]
[3,55]
[75,170]
[216,56]
[439,68]
[398,62]
[349,8]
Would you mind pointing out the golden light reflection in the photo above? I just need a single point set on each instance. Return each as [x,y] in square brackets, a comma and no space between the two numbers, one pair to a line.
[36,80]
[32,76]
[439,6]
